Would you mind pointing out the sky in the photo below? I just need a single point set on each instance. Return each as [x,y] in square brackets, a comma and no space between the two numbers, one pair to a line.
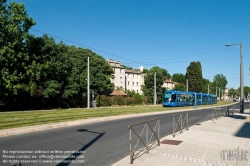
[165,33]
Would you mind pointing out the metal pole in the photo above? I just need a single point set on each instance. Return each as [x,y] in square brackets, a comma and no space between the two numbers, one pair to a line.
[155,88]
[187,85]
[241,80]
[88,86]
[208,89]
[216,91]
[125,83]
[219,94]
[222,93]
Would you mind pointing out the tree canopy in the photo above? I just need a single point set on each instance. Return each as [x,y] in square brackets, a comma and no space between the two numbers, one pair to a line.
[194,76]
[180,87]
[220,80]
[180,78]
[148,88]
[14,60]
[37,72]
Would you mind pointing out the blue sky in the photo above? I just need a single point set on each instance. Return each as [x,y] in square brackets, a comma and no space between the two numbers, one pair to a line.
[168,33]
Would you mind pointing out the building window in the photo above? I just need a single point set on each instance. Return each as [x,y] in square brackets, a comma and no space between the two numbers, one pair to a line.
[133,76]
[137,84]
[137,91]
[120,70]
[121,79]
[133,84]
[128,82]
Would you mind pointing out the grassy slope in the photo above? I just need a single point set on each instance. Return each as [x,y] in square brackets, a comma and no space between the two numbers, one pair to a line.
[30,118]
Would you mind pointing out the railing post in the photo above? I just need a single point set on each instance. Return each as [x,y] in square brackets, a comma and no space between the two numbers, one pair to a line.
[159,132]
[181,122]
[187,121]
[174,125]
[147,138]
[214,114]
[130,146]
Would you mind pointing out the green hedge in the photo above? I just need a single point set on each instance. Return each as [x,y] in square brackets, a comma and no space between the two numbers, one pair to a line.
[137,99]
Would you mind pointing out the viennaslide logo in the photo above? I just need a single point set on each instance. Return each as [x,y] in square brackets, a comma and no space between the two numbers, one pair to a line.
[237,155]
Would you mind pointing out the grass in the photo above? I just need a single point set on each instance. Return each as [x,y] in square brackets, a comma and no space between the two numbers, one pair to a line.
[29,118]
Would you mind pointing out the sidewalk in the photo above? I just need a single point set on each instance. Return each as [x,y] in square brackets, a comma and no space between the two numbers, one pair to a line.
[219,142]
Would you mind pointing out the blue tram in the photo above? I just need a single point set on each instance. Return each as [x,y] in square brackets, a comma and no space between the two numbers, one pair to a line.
[174,98]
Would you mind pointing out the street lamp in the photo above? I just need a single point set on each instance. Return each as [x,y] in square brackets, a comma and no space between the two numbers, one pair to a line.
[241,77]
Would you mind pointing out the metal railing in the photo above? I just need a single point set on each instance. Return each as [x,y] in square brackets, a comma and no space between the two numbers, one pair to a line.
[233,109]
[226,111]
[146,142]
[216,114]
[179,122]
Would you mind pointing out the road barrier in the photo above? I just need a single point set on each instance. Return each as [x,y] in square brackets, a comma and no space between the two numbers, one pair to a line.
[216,114]
[225,112]
[234,109]
[179,123]
[146,142]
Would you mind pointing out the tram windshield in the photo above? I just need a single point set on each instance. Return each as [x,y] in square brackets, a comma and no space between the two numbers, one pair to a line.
[167,96]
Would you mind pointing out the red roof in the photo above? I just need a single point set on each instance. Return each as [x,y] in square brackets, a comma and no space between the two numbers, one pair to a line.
[169,81]
[113,93]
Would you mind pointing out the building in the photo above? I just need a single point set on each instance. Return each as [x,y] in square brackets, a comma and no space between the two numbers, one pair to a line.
[169,84]
[119,76]
[226,94]
[127,79]
[134,79]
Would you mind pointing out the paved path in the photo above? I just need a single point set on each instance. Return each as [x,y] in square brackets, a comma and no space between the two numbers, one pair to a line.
[225,141]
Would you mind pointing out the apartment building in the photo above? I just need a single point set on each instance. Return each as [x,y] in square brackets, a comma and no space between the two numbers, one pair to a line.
[119,73]
[169,84]
[127,79]
[134,80]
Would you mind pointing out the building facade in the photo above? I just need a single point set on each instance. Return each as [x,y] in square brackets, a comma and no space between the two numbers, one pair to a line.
[119,73]
[169,84]
[127,79]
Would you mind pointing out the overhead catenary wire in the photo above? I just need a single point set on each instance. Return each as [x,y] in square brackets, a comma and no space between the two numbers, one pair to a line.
[133,61]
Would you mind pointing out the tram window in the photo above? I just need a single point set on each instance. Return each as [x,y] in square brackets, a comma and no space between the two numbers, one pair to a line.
[183,98]
[173,98]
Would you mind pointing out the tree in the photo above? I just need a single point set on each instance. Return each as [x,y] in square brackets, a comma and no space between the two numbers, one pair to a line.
[180,87]
[148,88]
[126,67]
[15,62]
[145,70]
[220,80]
[205,84]
[246,91]
[180,78]
[194,76]
[233,92]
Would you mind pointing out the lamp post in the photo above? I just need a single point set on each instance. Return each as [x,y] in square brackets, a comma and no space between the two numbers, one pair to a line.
[241,77]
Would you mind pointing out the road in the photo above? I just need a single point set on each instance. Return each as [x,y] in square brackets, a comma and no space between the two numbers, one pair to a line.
[102,143]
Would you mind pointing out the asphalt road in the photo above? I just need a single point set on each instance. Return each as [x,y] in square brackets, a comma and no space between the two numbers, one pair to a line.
[102,143]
